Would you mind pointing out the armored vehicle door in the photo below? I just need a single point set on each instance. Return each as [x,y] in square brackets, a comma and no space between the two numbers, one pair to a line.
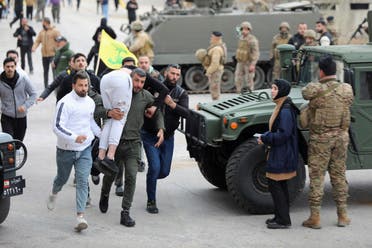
[360,154]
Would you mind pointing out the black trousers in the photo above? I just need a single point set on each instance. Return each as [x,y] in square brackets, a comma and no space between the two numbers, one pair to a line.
[29,10]
[16,127]
[46,64]
[280,195]
[18,16]
[26,50]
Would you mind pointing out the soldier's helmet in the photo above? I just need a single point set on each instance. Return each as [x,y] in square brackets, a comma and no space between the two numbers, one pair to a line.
[310,33]
[284,25]
[246,25]
[136,26]
[200,54]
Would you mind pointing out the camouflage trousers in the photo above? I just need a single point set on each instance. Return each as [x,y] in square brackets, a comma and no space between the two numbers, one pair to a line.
[243,77]
[328,153]
[276,69]
[214,81]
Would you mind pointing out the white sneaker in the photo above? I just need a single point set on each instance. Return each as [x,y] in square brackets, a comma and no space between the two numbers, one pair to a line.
[51,201]
[81,223]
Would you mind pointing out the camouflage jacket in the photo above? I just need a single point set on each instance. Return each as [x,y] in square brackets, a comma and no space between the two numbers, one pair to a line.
[217,55]
[277,40]
[142,45]
[248,49]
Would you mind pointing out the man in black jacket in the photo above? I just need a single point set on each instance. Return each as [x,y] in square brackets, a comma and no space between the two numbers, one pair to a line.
[298,39]
[160,158]
[25,41]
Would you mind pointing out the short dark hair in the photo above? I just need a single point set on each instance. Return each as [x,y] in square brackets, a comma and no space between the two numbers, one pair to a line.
[176,66]
[11,51]
[80,75]
[128,59]
[78,55]
[327,65]
[139,72]
[46,19]
[9,59]
[321,21]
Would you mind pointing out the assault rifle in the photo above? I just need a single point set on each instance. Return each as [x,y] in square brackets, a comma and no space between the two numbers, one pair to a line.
[358,30]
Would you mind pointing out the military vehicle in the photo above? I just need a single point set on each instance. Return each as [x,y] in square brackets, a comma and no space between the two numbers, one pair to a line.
[220,134]
[13,155]
[179,32]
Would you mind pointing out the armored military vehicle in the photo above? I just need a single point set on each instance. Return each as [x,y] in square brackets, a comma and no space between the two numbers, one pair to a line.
[220,134]
[13,155]
[179,32]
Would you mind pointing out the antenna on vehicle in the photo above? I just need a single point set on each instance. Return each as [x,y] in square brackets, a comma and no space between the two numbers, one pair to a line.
[369,17]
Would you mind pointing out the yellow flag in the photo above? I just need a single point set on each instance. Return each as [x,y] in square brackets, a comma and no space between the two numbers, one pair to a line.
[122,4]
[112,52]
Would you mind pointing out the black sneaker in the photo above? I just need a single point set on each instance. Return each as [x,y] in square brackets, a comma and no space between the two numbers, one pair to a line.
[271,220]
[119,190]
[151,207]
[275,225]
[141,166]
[95,179]
[125,219]
[103,203]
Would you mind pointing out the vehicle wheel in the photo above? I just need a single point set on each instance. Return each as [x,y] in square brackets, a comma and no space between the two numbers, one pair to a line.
[212,167]
[259,78]
[228,79]
[246,178]
[269,76]
[195,79]
[4,208]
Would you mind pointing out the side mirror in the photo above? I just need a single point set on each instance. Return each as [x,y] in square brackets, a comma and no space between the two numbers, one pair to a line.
[349,78]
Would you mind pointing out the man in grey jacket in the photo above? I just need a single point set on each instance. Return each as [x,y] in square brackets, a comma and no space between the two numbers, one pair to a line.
[17,94]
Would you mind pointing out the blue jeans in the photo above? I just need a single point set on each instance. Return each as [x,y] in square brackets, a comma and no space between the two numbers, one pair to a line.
[105,10]
[82,161]
[159,161]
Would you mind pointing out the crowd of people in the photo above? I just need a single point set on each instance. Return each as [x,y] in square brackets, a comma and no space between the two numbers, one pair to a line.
[104,118]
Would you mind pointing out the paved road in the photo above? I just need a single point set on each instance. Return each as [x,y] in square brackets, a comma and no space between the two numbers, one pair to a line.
[192,212]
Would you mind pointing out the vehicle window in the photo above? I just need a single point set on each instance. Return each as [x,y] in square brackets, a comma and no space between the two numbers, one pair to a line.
[366,85]
[309,70]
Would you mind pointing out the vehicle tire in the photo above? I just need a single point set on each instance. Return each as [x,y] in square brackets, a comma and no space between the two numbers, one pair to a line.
[269,76]
[246,178]
[228,79]
[195,79]
[259,78]
[4,208]
[212,167]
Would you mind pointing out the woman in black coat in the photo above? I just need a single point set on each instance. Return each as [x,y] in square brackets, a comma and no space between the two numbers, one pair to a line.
[282,144]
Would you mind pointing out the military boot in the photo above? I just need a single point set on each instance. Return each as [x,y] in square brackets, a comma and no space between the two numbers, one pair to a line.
[343,220]
[313,221]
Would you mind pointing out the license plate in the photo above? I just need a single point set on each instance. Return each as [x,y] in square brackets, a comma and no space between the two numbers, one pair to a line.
[14,186]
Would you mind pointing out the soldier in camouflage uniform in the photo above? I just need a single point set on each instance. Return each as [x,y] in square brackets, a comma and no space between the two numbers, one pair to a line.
[281,38]
[142,43]
[329,105]
[216,54]
[247,56]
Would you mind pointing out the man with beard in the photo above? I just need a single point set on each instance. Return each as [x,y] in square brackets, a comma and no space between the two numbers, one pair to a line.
[160,157]
[279,39]
[75,129]
[129,148]
[325,38]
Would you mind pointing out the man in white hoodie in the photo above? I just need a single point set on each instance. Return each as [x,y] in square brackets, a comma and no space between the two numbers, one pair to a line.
[75,128]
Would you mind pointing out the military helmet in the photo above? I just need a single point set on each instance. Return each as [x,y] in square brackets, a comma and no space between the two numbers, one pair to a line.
[200,54]
[284,25]
[136,26]
[246,25]
[310,33]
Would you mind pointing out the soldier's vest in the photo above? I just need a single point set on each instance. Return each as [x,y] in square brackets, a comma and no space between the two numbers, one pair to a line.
[328,34]
[280,41]
[243,52]
[207,59]
[147,49]
[330,111]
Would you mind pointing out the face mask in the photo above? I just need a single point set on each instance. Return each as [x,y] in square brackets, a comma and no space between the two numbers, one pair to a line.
[284,34]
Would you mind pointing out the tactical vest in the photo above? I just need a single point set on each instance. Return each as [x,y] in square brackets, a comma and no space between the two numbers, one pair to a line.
[243,51]
[207,59]
[327,34]
[330,111]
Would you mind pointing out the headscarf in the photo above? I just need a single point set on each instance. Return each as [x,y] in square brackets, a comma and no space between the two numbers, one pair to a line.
[284,87]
